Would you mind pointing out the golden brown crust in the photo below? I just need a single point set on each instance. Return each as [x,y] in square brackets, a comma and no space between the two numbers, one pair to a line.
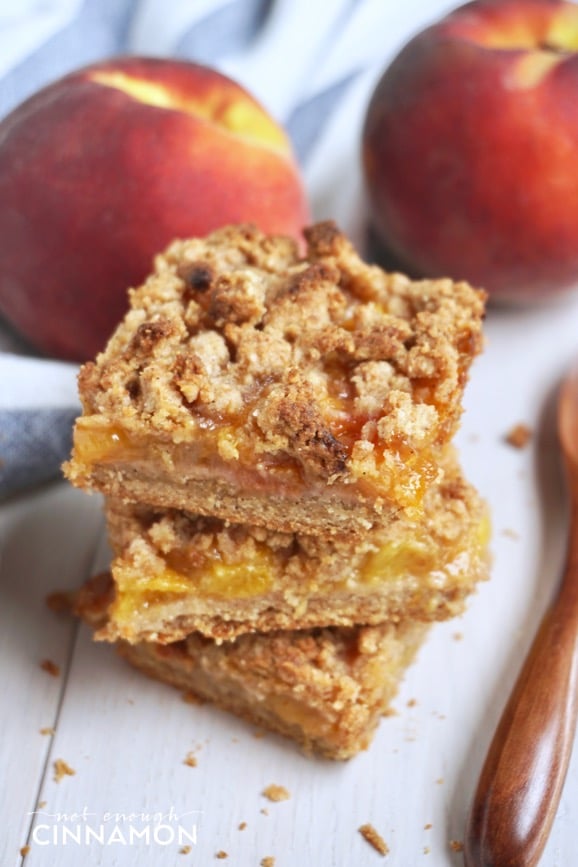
[334,368]
[326,688]
[176,573]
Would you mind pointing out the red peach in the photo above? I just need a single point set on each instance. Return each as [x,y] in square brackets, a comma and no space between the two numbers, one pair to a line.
[470,149]
[101,169]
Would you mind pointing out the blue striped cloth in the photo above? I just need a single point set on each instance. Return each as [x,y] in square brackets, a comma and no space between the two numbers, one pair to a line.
[311,63]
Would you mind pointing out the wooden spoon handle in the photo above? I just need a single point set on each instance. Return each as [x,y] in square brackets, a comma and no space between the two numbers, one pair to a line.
[523,775]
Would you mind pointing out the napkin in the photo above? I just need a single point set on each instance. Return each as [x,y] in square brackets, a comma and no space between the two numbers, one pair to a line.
[313,65]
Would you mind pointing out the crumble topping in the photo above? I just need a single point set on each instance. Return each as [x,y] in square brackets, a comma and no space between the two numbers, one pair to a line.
[322,358]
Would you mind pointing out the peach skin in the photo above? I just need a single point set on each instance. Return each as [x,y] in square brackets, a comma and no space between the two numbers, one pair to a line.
[470,149]
[101,169]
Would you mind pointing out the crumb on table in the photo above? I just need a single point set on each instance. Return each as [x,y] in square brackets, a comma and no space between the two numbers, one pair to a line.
[268,861]
[190,760]
[456,846]
[375,839]
[50,667]
[62,769]
[192,698]
[59,602]
[221,854]
[25,850]
[47,730]
[519,436]
[276,793]
[185,850]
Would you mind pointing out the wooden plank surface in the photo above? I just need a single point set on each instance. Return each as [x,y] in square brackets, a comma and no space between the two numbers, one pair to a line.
[126,736]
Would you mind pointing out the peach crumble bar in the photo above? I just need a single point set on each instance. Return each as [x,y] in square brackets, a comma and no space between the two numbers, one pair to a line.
[307,394]
[325,688]
[176,573]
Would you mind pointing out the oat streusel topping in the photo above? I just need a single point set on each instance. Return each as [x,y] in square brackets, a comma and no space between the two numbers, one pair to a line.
[324,358]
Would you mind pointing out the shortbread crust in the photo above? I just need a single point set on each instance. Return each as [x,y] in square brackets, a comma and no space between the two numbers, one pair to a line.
[177,573]
[325,688]
[304,394]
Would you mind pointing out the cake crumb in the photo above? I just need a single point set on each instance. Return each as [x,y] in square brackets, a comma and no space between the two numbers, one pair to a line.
[519,436]
[221,854]
[508,533]
[24,850]
[458,636]
[456,846]
[276,793]
[242,826]
[375,839]
[41,805]
[60,602]
[264,810]
[185,850]
[190,760]
[50,667]
[412,702]
[428,827]
[47,730]
[268,861]
[62,769]
[426,850]
[192,698]
[440,781]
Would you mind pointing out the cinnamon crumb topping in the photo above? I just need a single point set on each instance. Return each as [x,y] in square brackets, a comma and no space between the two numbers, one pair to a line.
[325,360]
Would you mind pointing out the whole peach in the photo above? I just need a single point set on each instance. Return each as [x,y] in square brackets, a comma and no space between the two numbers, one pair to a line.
[101,169]
[470,149]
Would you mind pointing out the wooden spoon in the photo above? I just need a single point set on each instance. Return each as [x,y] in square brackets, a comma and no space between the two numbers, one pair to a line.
[523,775]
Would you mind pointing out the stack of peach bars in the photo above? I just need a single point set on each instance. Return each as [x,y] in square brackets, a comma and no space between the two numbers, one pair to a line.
[271,432]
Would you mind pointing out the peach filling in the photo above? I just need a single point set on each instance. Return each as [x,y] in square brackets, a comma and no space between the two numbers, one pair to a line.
[417,556]
[403,480]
